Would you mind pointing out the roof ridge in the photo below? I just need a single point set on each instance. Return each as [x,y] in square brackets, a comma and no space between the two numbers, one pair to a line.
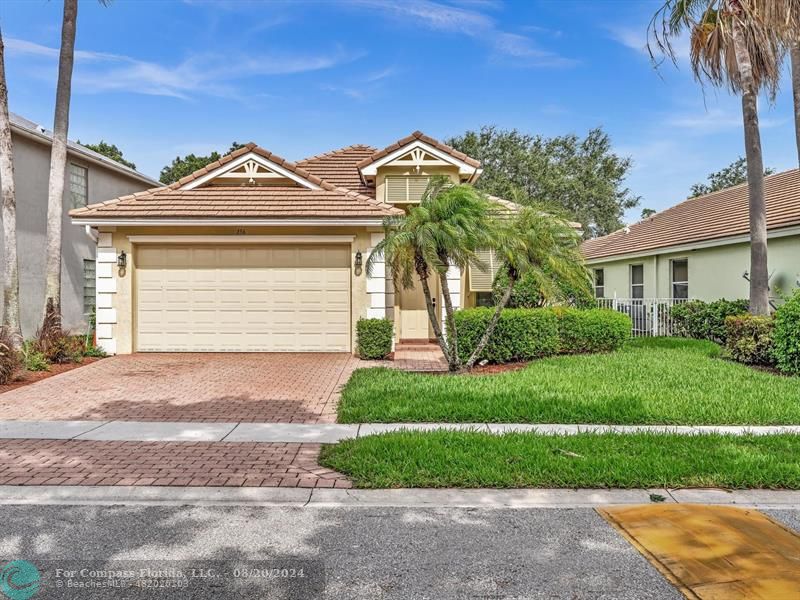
[330,153]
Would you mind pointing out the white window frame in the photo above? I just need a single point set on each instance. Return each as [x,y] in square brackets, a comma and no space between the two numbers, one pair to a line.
[672,280]
[78,202]
[599,290]
[636,285]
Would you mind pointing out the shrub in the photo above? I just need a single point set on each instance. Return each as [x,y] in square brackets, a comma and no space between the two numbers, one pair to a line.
[527,292]
[521,333]
[593,330]
[706,320]
[374,338]
[786,351]
[749,339]
[9,359]
[32,359]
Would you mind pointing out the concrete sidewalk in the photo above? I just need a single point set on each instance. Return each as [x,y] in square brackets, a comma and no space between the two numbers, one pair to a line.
[159,431]
[409,498]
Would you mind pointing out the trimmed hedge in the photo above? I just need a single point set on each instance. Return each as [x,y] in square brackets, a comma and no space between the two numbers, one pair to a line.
[521,334]
[706,320]
[593,330]
[786,349]
[374,338]
[749,339]
[528,333]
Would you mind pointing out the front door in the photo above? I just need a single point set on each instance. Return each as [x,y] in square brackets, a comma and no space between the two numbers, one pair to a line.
[414,321]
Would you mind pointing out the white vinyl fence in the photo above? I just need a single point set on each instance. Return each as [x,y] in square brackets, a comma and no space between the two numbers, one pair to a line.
[650,316]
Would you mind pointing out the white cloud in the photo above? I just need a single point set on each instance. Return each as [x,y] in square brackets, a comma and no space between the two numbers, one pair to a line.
[201,74]
[508,47]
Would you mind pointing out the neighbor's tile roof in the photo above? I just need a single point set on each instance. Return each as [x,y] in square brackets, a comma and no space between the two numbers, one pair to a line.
[713,216]
[340,167]
[216,202]
[418,135]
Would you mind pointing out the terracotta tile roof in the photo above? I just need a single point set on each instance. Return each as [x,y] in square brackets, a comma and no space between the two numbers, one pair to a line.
[339,167]
[418,135]
[330,201]
[713,216]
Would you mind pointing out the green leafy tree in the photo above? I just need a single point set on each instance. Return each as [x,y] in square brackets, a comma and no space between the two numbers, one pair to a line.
[734,174]
[109,151]
[447,228]
[581,176]
[182,166]
[537,245]
[648,212]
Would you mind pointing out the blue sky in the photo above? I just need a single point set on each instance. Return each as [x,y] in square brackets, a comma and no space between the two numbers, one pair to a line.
[162,78]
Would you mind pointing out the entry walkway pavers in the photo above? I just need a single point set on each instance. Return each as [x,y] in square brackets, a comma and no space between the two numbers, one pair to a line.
[324,433]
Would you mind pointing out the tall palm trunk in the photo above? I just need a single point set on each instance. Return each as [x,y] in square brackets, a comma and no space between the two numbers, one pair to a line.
[759,274]
[795,55]
[10,266]
[512,280]
[58,156]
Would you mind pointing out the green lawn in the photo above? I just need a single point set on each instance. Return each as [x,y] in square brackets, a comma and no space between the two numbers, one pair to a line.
[650,381]
[463,459]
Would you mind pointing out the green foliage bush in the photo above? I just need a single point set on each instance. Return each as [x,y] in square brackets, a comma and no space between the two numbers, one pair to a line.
[527,292]
[9,359]
[592,330]
[706,320]
[521,334]
[786,350]
[374,338]
[749,339]
[32,358]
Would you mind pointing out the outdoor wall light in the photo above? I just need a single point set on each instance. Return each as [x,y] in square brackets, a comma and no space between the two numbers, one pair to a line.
[122,263]
[359,262]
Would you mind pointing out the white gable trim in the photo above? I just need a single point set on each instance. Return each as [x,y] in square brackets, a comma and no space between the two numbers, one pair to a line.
[463,168]
[238,162]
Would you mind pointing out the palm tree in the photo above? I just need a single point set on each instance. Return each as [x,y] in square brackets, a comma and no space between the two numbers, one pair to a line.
[783,17]
[730,45]
[535,242]
[446,229]
[58,156]
[11,265]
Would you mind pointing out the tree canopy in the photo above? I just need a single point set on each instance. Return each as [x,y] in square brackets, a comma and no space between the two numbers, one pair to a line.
[182,166]
[110,151]
[734,174]
[581,176]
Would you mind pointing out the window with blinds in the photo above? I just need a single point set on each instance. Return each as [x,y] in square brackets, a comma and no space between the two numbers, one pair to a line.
[479,280]
[402,189]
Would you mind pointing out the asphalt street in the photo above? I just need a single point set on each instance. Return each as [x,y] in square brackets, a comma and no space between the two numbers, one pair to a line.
[375,553]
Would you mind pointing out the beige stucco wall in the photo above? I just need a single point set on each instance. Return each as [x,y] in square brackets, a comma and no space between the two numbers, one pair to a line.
[116,321]
[713,272]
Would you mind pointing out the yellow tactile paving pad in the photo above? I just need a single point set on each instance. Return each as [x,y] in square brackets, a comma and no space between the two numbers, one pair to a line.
[714,552]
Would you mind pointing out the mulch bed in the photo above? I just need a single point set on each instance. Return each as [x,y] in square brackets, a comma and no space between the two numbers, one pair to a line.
[27,377]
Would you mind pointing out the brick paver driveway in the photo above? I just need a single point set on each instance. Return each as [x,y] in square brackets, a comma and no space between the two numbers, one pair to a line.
[231,387]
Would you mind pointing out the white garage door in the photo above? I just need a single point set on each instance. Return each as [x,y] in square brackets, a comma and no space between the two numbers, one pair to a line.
[243,298]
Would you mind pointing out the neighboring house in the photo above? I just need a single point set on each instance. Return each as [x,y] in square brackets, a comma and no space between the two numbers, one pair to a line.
[90,177]
[700,248]
[255,253]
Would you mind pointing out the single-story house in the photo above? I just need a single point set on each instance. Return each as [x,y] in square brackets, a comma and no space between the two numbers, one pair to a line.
[90,178]
[256,253]
[700,248]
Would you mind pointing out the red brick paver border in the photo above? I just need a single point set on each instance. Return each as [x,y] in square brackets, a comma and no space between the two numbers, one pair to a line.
[213,464]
